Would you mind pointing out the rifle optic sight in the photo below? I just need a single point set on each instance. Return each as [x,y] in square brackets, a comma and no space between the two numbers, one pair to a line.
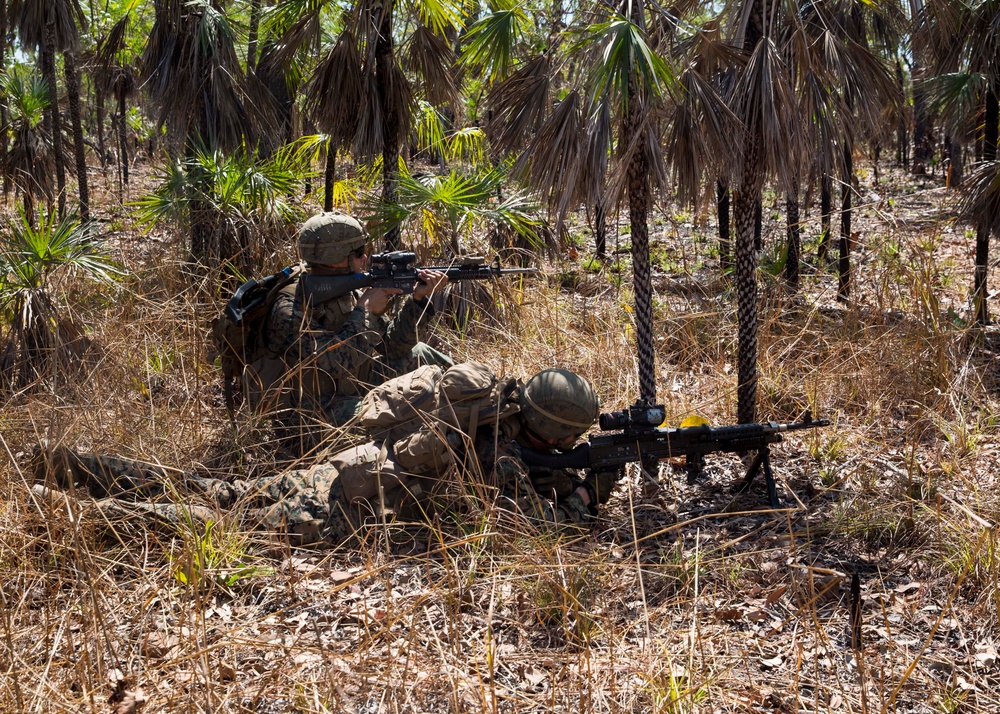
[641,416]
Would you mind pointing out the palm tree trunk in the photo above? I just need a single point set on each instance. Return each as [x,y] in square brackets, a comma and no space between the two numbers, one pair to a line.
[122,142]
[956,165]
[758,225]
[101,140]
[825,211]
[745,200]
[639,201]
[49,68]
[991,117]
[794,239]
[390,130]
[79,150]
[722,209]
[252,36]
[921,145]
[600,229]
[844,265]
[3,105]
[329,176]
[902,140]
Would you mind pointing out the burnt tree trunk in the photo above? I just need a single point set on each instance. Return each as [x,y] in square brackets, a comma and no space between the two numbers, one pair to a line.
[794,236]
[49,69]
[600,229]
[844,264]
[991,117]
[384,59]
[825,211]
[79,149]
[329,176]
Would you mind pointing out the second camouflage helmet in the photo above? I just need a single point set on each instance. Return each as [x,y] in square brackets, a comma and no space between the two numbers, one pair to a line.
[557,404]
[328,238]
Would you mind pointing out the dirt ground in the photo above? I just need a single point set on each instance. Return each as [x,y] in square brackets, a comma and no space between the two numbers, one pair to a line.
[873,589]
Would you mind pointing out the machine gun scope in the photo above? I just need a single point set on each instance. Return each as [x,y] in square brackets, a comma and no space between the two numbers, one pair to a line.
[641,416]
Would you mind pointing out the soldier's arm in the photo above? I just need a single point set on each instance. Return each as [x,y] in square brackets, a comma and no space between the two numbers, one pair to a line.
[401,331]
[305,343]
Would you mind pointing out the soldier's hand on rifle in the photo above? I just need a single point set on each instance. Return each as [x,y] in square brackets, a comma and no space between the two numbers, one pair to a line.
[376,300]
[430,281]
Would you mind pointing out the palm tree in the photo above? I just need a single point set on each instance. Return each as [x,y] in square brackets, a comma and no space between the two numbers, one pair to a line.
[192,74]
[388,94]
[966,36]
[115,75]
[30,161]
[52,26]
[40,340]
[617,81]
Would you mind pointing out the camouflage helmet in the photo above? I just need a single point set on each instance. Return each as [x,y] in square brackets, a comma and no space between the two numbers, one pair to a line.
[558,404]
[329,238]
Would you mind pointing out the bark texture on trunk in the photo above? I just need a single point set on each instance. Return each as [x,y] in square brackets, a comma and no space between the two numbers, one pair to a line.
[384,58]
[122,144]
[252,36]
[794,237]
[725,241]
[329,176]
[600,229]
[639,202]
[844,264]
[49,68]
[991,117]
[956,165]
[825,211]
[79,149]
[101,117]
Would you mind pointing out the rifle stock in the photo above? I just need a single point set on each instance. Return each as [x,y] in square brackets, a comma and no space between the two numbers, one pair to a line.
[637,440]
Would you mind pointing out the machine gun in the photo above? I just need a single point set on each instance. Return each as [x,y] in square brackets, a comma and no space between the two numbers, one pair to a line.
[637,437]
[397,270]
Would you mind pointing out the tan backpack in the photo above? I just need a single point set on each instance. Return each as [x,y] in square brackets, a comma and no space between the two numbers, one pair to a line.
[424,416]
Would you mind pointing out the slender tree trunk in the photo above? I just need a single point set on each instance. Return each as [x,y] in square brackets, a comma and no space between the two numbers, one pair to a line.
[639,201]
[79,150]
[902,140]
[390,130]
[794,239]
[746,201]
[49,67]
[600,229]
[102,147]
[758,225]
[329,176]
[991,118]
[122,140]
[956,164]
[921,121]
[825,211]
[844,265]
[725,242]
[3,105]
[252,36]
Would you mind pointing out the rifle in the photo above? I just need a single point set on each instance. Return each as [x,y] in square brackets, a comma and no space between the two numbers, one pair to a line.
[397,270]
[637,437]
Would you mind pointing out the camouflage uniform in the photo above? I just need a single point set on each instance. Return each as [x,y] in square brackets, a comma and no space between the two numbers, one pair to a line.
[337,351]
[294,503]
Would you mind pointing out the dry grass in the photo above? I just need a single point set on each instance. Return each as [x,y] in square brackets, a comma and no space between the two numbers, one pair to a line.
[685,600]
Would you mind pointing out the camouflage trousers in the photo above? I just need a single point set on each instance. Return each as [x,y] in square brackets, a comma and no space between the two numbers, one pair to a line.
[294,503]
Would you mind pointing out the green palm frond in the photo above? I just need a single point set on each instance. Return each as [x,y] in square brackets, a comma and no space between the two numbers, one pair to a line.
[440,15]
[430,126]
[955,95]
[27,94]
[469,145]
[29,256]
[621,54]
[490,44]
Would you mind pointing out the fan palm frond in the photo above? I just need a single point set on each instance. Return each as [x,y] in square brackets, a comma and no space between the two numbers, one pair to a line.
[429,56]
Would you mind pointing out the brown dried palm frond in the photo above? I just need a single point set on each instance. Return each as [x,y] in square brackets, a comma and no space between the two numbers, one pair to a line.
[705,135]
[517,105]
[193,75]
[33,16]
[306,30]
[110,73]
[593,170]
[430,57]
[981,205]
[334,91]
[399,97]
[368,138]
[765,102]
[550,162]
[645,140]
[864,81]
[822,112]
[31,162]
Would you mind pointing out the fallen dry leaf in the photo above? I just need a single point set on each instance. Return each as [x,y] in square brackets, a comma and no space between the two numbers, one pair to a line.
[227,672]
[157,645]
[131,703]
[772,597]
[773,662]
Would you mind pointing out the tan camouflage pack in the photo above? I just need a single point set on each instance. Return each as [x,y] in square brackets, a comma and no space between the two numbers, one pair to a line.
[425,416]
